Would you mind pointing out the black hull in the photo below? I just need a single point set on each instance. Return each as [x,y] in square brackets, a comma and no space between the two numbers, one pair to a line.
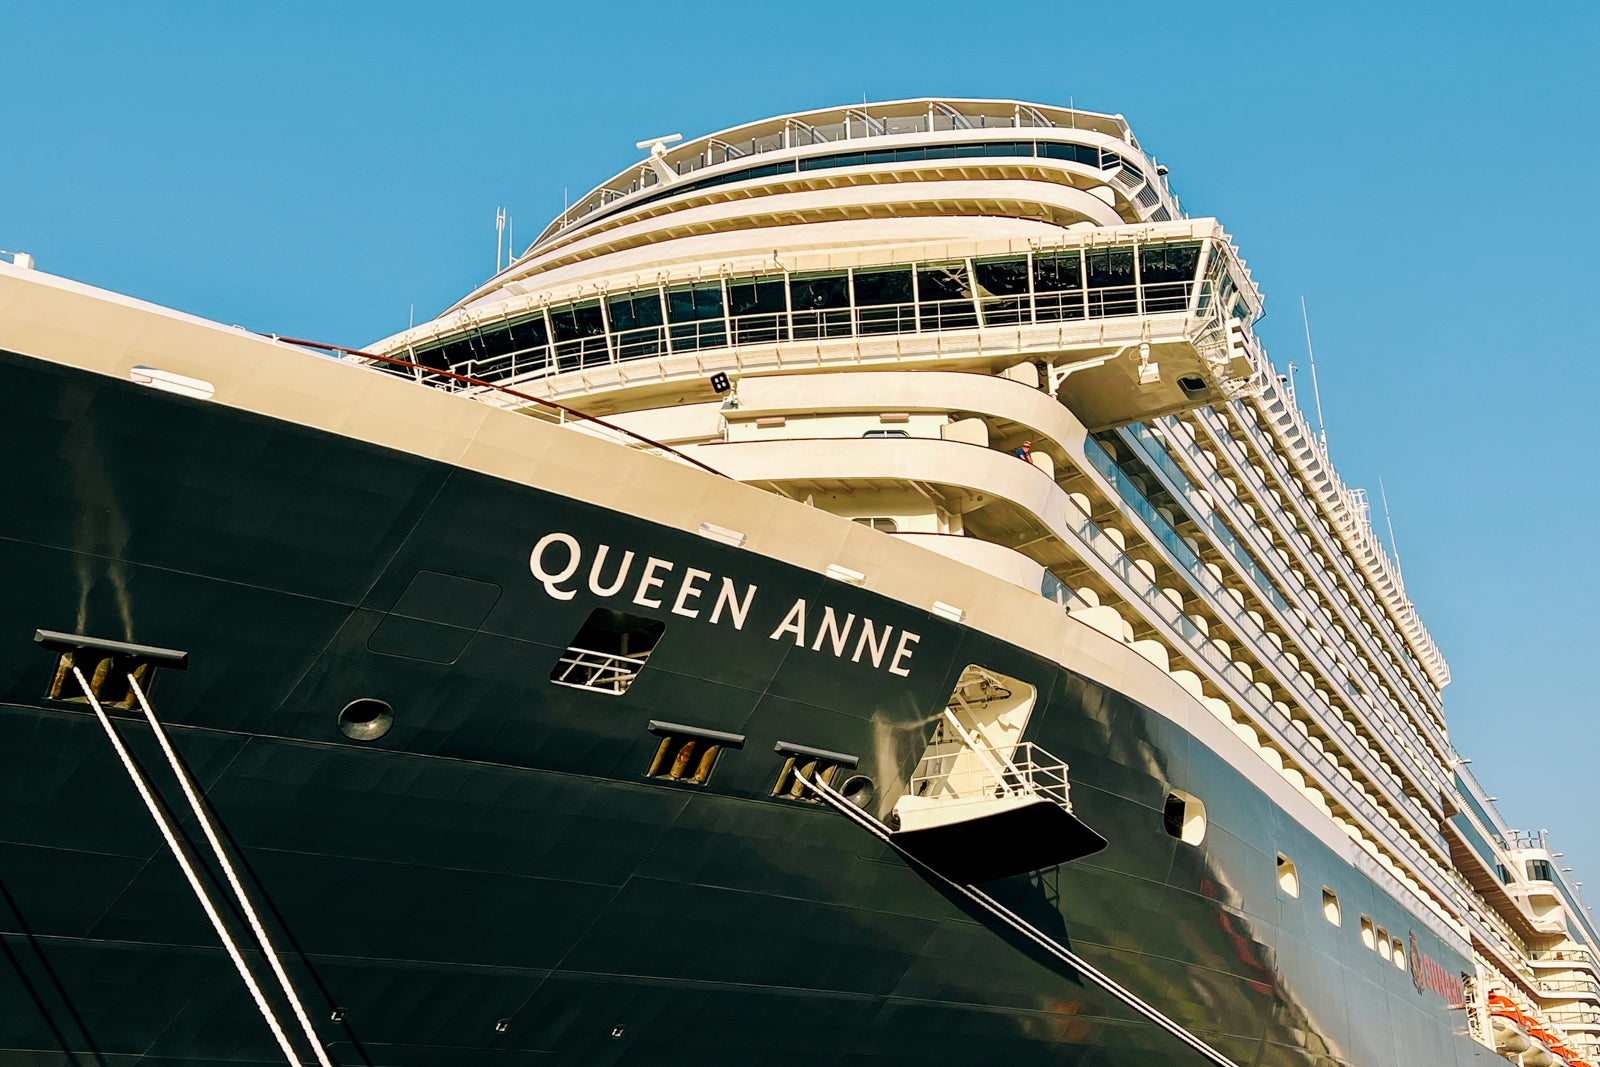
[496,880]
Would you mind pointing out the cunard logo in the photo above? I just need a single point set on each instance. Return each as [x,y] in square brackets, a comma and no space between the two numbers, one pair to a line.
[1427,973]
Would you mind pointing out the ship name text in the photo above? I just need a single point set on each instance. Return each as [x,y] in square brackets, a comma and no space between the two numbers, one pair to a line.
[557,563]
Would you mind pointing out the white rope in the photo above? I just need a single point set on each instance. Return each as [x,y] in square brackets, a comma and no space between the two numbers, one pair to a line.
[841,803]
[227,869]
[188,870]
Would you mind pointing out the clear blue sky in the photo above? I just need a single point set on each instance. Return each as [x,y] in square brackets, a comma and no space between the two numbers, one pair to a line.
[1421,174]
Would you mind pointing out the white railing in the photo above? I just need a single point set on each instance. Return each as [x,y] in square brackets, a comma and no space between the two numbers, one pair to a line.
[604,672]
[958,771]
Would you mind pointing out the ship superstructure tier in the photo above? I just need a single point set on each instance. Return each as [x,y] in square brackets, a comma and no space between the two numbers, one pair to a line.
[988,328]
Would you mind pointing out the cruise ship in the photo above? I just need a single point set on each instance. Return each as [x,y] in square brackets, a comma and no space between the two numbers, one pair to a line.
[855,590]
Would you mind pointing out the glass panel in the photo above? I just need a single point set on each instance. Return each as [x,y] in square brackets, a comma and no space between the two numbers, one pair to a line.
[580,335]
[1074,153]
[945,293]
[636,324]
[696,315]
[1003,290]
[821,304]
[1058,285]
[1167,273]
[759,310]
[1111,286]
[884,300]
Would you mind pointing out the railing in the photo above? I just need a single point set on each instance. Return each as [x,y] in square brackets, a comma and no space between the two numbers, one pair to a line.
[1247,628]
[1414,679]
[1570,985]
[1343,510]
[1200,649]
[1521,839]
[1571,955]
[556,353]
[606,672]
[1017,771]
[855,125]
[1183,484]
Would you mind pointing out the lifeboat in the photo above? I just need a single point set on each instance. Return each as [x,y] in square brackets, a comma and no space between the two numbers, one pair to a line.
[1511,1026]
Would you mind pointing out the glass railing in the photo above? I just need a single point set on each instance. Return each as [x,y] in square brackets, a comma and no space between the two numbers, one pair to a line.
[1336,673]
[1201,647]
[1417,688]
[1151,449]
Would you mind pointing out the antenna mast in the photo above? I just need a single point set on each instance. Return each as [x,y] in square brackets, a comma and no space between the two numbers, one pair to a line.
[1322,429]
[1393,544]
[499,237]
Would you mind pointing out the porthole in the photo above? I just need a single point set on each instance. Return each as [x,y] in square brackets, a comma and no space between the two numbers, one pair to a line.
[1369,936]
[365,719]
[1184,817]
[1330,906]
[859,791]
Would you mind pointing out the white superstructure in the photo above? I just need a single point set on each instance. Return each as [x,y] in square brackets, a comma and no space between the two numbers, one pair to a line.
[988,328]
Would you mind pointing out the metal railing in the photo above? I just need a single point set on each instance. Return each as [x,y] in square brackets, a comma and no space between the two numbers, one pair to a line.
[605,672]
[952,773]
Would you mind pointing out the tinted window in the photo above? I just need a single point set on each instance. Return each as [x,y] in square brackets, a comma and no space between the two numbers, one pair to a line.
[945,292]
[696,315]
[759,309]
[821,304]
[1169,262]
[1003,290]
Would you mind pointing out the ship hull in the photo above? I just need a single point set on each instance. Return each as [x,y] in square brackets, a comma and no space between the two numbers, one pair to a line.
[496,879]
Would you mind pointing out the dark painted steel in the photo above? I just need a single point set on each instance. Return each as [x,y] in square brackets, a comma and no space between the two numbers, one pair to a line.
[499,856]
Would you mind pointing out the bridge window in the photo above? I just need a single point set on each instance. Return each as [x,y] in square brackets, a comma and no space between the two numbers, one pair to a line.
[1167,273]
[821,304]
[636,322]
[945,292]
[1541,871]
[1111,282]
[759,308]
[580,335]
[1058,285]
[885,301]
[1003,290]
[608,652]
[695,312]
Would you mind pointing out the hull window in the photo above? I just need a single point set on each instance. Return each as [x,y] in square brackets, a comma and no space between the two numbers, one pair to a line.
[1330,906]
[1288,877]
[608,653]
[1369,936]
[1184,817]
